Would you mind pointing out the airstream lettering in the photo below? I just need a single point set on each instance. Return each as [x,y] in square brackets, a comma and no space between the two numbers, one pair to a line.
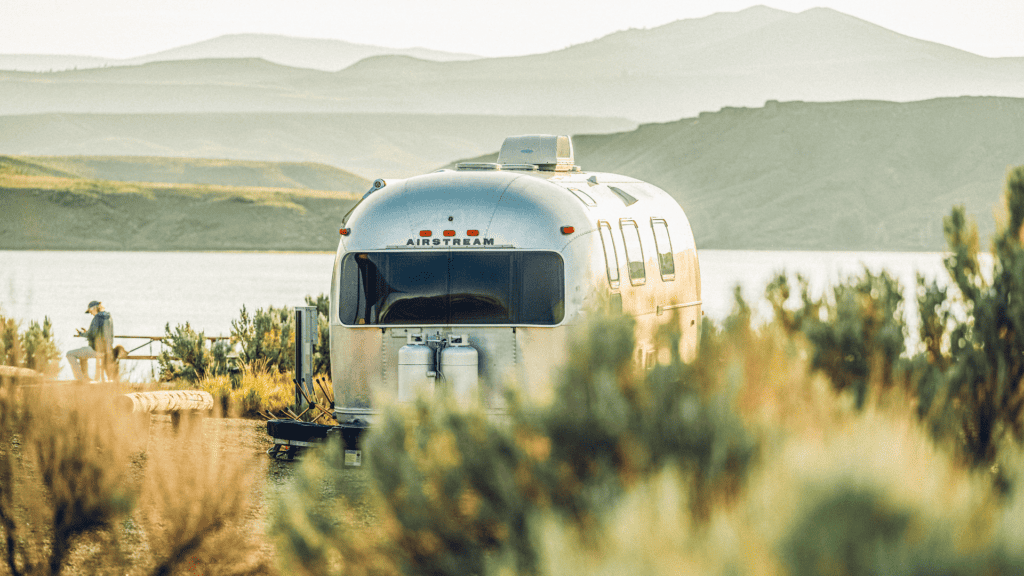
[464,282]
[450,242]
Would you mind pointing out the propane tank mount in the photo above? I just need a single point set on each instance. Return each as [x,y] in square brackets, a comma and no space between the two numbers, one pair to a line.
[438,363]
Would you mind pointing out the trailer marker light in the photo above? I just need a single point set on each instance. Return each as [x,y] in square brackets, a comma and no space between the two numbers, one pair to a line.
[449,232]
[425,233]
[568,229]
[344,231]
[472,232]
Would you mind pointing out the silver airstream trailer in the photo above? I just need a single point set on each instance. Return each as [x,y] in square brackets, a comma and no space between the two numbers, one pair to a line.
[467,281]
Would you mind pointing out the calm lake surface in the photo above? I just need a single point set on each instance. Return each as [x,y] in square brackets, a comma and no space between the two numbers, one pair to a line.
[144,291]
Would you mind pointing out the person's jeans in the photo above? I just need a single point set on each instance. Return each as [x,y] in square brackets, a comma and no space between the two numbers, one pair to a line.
[80,356]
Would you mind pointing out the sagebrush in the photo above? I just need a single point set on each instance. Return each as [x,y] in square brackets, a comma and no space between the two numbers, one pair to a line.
[826,440]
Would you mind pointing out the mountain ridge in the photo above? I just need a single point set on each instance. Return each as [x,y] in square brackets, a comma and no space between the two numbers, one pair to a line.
[323,54]
[317,53]
[673,71]
[370,145]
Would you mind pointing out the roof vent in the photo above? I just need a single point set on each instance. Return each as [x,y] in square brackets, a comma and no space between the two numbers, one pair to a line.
[545,151]
[477,166]
[520,167]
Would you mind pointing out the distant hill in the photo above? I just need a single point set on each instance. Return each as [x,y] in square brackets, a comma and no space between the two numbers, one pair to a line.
[10,166]
[212,71]
[314,53]
[45,209]
[859,175]
[49,62]
[862,175]
[306,175]
[680,69]
[370,145]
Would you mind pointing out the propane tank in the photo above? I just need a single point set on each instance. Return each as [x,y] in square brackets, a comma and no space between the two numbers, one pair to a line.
[415,369]
[459,366]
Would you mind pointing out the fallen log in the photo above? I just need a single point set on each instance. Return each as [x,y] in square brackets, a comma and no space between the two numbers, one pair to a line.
[15,372]
[171,401]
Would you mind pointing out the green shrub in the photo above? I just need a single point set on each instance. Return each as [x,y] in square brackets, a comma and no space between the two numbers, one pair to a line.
[321,302]
[186,356]
[850,531]
[460,489]
[12,352]
[269,336]
[41,353]
[266,336]
[817,443]
[860,532]
[968,374]
[34,348]
[982,366]
[609,426]
[858,331]
[322,347]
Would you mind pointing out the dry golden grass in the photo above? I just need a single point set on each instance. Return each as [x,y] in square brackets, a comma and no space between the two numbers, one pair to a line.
[85,489]
[194,506]
[257,391]
[833,489]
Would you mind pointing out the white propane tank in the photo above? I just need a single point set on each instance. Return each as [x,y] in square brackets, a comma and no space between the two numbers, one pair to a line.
[415,369]
[460,368]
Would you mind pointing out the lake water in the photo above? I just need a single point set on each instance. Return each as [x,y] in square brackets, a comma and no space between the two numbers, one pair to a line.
[144,291]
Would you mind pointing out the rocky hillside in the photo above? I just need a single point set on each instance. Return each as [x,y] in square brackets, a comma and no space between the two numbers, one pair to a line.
[861,175]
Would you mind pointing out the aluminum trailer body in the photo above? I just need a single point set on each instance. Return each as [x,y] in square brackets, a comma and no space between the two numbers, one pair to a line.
[468,281]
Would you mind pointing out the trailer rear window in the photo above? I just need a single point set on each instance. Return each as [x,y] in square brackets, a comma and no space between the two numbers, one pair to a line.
[452,287]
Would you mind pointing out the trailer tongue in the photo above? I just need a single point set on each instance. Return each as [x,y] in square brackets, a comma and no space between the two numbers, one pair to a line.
[292,436]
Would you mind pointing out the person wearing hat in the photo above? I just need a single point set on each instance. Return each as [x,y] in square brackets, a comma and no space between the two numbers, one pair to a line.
[100,337]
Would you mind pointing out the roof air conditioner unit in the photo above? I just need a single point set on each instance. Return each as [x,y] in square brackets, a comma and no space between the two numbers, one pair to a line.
[545,151]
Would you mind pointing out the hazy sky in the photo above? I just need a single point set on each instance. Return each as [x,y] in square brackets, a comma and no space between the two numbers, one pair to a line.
[124,28]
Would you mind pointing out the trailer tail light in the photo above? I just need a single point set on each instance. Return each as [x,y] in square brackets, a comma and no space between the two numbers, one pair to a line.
[568,229]
[425,233]
[472,232]
[344,231]
[449,232]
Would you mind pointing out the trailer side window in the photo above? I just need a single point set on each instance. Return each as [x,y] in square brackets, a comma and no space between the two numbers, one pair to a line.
[611,259]
[663,244]
[634,252]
